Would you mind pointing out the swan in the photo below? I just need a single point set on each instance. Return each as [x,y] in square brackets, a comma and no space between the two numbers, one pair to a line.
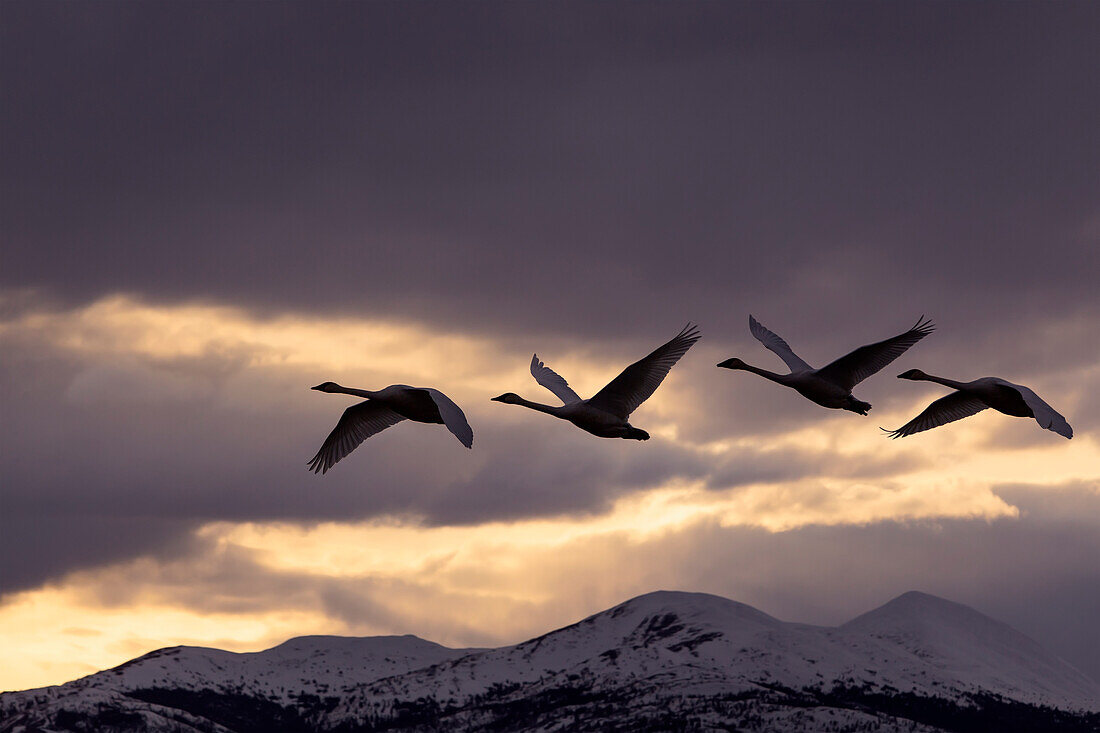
[605,414]
[831,385]
[973,397]
[382,409]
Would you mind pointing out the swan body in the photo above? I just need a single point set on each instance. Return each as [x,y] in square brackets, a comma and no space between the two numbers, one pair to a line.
[831,385]
[382,409]
[970,398]
[606,414]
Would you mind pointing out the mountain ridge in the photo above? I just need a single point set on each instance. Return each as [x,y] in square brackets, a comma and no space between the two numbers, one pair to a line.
[702,656]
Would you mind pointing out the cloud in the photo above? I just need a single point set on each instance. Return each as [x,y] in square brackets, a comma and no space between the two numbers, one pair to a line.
[140,422]
[37,547]
[468,171]
[1036,572]
[203,216]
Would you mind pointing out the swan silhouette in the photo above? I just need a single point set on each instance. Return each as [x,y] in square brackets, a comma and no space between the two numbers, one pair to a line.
[831,385]
[605,414]
[970,398]
[383,409]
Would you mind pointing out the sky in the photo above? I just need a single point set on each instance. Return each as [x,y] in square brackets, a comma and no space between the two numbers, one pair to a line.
[207,209]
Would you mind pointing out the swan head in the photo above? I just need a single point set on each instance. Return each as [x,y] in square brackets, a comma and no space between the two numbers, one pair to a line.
[327,387]
[510,398]
[733,363]
[913,374]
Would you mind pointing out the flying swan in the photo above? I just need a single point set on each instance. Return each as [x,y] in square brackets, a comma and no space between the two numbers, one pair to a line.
[382,409]
[831,385]
[605,414]
[973,397]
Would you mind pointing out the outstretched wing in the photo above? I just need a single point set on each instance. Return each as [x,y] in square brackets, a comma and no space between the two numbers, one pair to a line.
[358,423]
[1045,415]
[774,343]
[553,381]
[639,380]
[453,417]
[850,370]
[954,406]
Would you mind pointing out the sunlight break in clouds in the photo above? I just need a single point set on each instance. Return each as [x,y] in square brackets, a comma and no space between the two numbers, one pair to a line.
[43,647]
[250,584]
[120,326]
[460,586]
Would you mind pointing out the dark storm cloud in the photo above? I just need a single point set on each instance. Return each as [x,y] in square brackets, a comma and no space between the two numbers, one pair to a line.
[561,167]
[40,546]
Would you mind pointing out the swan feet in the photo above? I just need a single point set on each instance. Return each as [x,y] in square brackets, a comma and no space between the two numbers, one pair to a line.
[857,406]
[636,434]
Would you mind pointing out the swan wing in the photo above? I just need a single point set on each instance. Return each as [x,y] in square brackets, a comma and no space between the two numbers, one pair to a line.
[553,381]
[774,343]
[1045,415]
[358,423]
[850,370]
[954,406]
[453,417]
[638,381]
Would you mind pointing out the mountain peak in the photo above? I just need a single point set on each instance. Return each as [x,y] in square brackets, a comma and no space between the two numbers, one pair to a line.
[696,606]
[919,596]
[921,600]
[916,607]
[377,644]
[957,639]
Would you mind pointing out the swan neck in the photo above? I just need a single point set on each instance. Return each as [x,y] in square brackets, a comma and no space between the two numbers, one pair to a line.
[944,381]
[780,378]
[356,392]
[548,409]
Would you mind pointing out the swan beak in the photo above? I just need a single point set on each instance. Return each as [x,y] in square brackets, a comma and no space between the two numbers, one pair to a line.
[319,388]
[497,399]
[725,364]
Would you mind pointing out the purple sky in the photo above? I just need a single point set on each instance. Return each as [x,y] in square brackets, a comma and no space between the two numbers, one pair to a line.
[579,179]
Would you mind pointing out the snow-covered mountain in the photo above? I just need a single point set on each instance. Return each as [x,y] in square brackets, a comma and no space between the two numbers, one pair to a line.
[665,660]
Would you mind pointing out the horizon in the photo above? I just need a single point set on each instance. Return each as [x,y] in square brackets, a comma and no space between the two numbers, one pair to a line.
[207,211]
[681,595]
[605,610]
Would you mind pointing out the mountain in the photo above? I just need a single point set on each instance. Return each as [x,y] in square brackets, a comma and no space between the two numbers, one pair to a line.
[661,661]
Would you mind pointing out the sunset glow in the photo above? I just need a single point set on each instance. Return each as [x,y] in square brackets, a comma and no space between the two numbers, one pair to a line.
[824,223]
[493,575]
